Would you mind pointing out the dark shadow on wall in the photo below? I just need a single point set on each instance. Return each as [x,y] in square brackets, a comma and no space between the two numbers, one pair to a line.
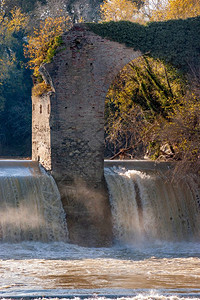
[175,41]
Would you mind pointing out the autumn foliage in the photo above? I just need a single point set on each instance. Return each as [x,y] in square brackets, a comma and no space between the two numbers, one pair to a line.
[15,82]
[44,41]
[9,27]
[116,10]
[127,10]
[152,109]
[177,9]
[15,22]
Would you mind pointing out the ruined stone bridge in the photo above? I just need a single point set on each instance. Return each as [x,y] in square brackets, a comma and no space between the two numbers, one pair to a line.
[68,123]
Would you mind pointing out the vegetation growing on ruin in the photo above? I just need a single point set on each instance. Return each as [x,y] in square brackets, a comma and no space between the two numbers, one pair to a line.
[42,46]
[174,41]
[40,89]
[44,41]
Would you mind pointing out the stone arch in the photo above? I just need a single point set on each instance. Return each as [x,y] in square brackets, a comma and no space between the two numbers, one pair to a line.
[80,75]
[70,140]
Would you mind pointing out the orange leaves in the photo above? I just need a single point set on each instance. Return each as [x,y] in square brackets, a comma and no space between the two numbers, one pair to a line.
[40,89]
[178,9]
[116,10]
[9,25]
[15,22]
[43,38]
[18,20]
[42,45]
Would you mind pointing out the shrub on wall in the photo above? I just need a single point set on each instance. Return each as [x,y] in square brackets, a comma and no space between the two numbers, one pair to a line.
[40,89]
[43,43]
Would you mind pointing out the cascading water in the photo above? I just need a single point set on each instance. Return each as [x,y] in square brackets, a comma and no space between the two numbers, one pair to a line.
[30,205]
[36,263]
[146,206]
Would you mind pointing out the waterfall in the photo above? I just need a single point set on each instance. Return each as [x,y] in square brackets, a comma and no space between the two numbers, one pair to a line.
[30,205]
[146,205]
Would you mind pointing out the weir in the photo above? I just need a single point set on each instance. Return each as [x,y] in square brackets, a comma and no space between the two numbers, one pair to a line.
[145,204]
[30,205]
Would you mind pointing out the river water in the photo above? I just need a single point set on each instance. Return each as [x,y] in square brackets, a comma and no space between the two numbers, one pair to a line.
[62,270]
[142,264]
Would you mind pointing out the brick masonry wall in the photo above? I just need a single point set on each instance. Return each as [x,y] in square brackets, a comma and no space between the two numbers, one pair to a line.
[70,142]
[41,141]
[81,74]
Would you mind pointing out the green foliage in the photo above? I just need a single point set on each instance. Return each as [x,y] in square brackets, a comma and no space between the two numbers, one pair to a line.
[177,9]
[44,41]
[144,92]
[15,85]
[24,5]
[57,42]
[15,115]
[175,41]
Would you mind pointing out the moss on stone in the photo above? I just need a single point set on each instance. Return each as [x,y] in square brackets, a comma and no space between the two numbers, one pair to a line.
[57,42]
[176,41]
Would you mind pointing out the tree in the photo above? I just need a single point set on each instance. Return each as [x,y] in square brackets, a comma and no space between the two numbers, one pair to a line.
[150,6]
[76,9]
[181,131]
[177,9]
[116,10]
[143,91]
[51,9]
[153,109]
[9,29]
[42,44]
[15,83]
[25,5]
[10,34]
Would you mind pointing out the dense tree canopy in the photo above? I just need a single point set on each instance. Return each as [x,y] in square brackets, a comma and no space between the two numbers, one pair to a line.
[154,10]
[145,90]
[24,5]
[116,10]
[152,109]
[15,83]
[177,9]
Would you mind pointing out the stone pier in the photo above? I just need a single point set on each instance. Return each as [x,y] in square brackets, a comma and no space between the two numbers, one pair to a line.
[68,129]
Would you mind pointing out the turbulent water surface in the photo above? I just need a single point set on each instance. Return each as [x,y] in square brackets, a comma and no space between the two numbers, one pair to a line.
[146,205]
[156,254]
[30,205]
[60,269]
